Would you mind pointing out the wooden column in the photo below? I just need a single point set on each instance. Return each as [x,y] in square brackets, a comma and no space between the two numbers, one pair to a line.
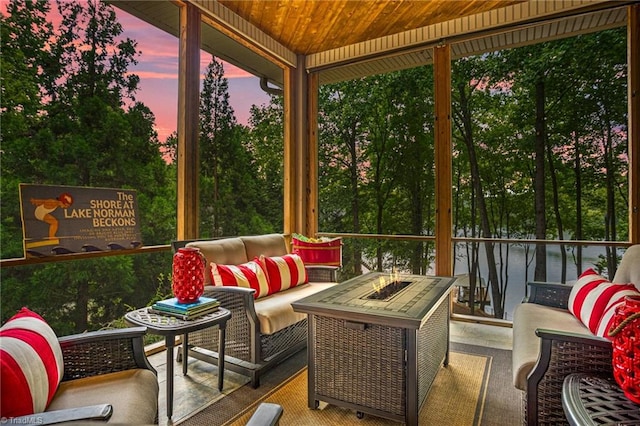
[188,118]
[296,137]
[289,151]
[443,159]
[312,155]
[301,145]
[633,64]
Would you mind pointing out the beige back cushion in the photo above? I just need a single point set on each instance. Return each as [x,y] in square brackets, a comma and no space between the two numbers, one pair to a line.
[268,245]
[629,268]
[227,251]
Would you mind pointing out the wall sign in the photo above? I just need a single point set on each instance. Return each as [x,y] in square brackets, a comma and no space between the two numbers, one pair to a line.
[68,219]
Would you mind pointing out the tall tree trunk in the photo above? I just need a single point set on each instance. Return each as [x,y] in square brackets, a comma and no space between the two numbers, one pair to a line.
[556,210]
[610,220]
[355,198]
[578,176]
[540,207]
[417,224]
[482,207]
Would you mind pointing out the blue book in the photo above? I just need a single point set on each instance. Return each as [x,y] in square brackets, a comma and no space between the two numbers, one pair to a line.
[174,305]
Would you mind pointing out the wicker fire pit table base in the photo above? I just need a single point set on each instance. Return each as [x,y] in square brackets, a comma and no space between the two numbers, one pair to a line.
[374,354]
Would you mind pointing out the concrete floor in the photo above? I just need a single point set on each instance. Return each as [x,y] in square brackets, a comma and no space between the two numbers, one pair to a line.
[490,336]
[199,388]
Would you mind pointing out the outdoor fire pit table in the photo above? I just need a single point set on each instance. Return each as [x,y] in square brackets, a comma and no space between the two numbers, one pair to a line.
[376,343]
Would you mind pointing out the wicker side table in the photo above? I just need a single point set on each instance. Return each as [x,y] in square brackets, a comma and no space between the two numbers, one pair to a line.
[597,400]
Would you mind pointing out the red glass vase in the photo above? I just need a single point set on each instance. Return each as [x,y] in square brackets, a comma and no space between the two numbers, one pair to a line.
[625,333]
[188,274]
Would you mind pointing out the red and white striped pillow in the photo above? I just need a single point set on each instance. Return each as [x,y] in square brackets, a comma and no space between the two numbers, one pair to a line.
[592,295]
[31,365]
[284,272]
[248,275]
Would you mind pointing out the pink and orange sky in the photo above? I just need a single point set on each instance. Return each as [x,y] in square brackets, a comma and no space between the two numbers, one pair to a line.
[158,71]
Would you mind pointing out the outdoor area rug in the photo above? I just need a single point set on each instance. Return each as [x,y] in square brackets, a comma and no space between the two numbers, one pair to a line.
[475,389]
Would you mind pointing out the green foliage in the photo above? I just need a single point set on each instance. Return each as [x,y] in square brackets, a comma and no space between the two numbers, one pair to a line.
[75,122]
[232,183]
[376,152]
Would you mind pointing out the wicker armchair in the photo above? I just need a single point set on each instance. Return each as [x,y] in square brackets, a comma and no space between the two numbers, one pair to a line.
[101,352]
[93,354]
[561,354]
[565,345]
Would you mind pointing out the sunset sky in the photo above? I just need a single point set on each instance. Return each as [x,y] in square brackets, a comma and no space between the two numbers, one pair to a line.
[158,71]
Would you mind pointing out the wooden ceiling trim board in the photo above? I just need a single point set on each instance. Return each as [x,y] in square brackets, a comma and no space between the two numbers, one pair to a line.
[244,43]
[232,23]
[491,20]
[458,50]
[605,19]
[561,27]
[522,37]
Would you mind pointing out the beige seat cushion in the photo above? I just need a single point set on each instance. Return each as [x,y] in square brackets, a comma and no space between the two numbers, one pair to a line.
[132,393]
[227,251]
[275,311]
[528,317]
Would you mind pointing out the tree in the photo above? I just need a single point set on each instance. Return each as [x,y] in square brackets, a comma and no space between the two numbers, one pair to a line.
[266,143]
[228,182]
[87,130]
[342,162]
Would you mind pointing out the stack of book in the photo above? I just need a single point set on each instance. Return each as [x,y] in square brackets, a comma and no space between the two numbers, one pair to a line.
[185,311]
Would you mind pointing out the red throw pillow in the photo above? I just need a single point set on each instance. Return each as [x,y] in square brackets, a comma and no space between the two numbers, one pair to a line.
[284,271]
[592,294]
[248,275]
[31,365]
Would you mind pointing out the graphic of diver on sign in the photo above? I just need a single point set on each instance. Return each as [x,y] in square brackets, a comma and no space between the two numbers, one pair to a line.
[44,207]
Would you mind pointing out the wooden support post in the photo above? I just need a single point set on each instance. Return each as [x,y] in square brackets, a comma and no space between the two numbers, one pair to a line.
[289,151]
[633,68]
[188,119]
[312,156]
[443,160]
[296,145]
[301,145]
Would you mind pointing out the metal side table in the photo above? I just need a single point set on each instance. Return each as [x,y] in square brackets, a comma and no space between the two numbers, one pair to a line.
[170,327]
[590,399]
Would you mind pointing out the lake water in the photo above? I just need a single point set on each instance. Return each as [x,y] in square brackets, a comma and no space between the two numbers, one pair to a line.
[519,272]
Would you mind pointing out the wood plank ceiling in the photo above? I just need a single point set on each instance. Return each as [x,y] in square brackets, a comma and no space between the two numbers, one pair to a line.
[312,26]
[347,39]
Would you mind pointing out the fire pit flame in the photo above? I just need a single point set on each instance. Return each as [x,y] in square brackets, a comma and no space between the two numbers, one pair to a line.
[385,289]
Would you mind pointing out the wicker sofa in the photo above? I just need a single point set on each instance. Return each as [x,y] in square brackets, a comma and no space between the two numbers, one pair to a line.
[549,343]
[261,332]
